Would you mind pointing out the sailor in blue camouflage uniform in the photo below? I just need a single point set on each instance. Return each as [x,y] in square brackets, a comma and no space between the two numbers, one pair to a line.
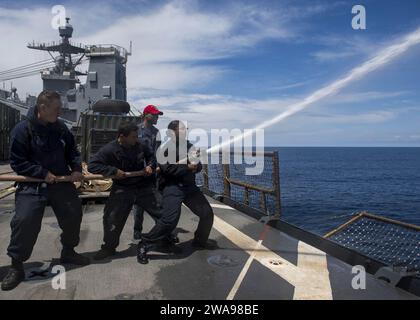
[43,147]
[149,135]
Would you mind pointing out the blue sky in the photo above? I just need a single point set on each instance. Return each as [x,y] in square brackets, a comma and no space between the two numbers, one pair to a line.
[234,64]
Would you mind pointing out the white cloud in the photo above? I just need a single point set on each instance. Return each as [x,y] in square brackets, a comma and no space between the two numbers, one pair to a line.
[174,45]
[366,96]
[341,47]
[415,137]
[223,111]
[18,28]
[289,86]
[358,118]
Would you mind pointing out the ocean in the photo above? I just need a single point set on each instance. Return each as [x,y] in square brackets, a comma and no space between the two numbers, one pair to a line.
[322,187]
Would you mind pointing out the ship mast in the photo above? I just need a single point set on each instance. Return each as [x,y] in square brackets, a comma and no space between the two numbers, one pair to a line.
[63,76]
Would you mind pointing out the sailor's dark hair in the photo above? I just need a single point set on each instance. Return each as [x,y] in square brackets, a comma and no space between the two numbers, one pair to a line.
[46,96]
[126,128]
[173,125]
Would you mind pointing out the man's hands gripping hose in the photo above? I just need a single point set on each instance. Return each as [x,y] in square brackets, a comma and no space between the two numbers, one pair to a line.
[119,175]
[76,176]
[50,178]
[193,167]
[148,171]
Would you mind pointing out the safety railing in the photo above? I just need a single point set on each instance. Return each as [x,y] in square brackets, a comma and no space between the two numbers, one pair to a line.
[261,192]
[392,242]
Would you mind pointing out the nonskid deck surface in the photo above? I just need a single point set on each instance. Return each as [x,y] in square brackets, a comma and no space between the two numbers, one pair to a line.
[253,261]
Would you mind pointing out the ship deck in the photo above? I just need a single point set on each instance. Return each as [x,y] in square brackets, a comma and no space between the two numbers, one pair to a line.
[252,261]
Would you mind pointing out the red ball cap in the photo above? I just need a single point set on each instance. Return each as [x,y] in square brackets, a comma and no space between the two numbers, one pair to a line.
[151,109]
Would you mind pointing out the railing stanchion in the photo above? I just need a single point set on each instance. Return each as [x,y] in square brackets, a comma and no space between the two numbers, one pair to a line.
[226,182]
[276,182]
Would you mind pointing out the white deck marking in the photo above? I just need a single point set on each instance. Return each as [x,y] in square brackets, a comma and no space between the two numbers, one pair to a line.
[309,281]
[314,260]
[243,273]
[221,206]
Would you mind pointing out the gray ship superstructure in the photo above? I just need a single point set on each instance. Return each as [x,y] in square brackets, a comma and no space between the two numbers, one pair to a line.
[105,77]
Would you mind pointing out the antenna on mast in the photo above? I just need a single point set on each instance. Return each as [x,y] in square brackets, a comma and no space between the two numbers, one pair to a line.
[131,48]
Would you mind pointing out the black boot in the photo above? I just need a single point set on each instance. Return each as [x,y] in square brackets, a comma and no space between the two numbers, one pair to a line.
[208,245]
[15,276]
[69,256]
[173,238]
[166,245]
[142,253]
[137,235]
[104,253]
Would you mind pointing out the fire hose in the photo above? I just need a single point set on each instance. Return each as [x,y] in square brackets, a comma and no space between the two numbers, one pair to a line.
[86,177]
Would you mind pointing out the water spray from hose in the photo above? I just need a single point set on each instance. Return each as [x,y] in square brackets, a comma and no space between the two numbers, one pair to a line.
[384,57]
